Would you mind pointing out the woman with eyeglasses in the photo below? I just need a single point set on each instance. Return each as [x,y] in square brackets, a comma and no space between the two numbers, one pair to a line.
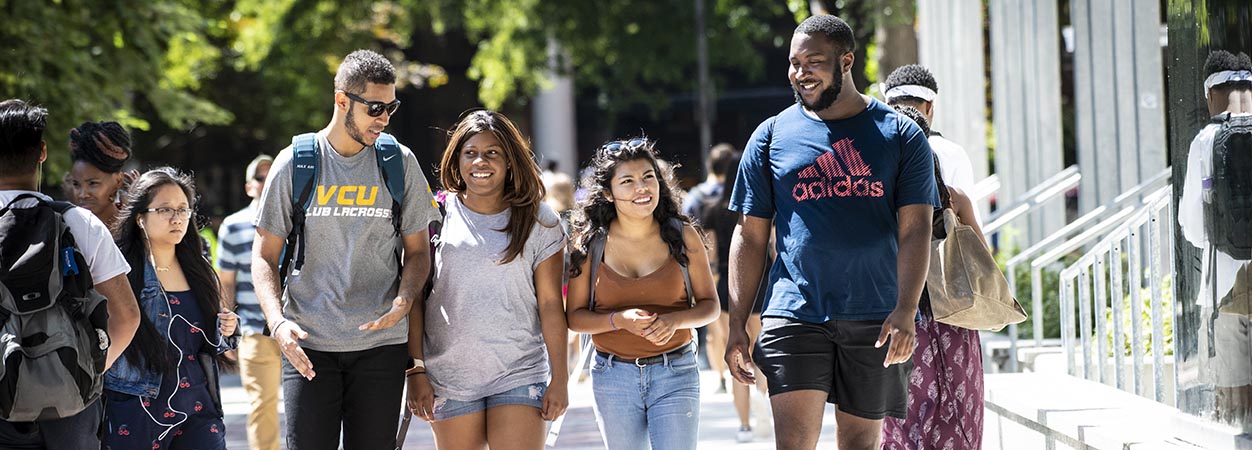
[645,378]
[494,329]
[164,391]
[98,151]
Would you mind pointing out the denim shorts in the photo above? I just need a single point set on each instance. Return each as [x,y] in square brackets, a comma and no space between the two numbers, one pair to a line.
[529,395]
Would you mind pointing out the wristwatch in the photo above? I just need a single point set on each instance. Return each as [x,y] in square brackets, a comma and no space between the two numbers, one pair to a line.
[418,363]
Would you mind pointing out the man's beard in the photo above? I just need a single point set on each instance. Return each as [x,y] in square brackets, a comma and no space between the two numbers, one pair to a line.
[353,132]
[827,97]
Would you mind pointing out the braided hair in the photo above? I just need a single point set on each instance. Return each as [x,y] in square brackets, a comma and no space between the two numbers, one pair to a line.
[105,145]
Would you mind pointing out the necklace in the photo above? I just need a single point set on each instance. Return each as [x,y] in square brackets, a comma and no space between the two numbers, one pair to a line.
[162,269]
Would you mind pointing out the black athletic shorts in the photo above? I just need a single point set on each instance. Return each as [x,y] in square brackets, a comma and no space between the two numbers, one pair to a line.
[836,357]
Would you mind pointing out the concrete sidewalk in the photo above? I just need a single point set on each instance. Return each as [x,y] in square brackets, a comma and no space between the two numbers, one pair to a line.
[718,421]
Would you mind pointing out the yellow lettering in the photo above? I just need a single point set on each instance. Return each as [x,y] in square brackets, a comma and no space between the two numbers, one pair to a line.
[324,195]
[362,200]
[343,191]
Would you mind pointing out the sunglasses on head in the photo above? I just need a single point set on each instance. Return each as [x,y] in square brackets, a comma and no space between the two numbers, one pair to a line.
[375,108]
[617,146]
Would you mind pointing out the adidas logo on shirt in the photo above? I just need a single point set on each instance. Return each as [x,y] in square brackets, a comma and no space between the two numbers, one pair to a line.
[837,173]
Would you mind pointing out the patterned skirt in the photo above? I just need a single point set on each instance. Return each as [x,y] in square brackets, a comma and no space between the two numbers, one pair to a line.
[945,391]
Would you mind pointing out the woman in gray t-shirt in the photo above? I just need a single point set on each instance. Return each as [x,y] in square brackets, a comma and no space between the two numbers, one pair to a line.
[496,303]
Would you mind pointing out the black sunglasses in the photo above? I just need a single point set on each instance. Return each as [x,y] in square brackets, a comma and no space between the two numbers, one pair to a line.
[616,147]
[375,108]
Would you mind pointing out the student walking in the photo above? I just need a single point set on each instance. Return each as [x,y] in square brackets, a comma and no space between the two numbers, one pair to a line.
[165,392]
[848,186]
[495,364]
[644,377]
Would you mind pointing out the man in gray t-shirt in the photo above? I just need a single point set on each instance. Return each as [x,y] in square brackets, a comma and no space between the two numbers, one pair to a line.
[336,321]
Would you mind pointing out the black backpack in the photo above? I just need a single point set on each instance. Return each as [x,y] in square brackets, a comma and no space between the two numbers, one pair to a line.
[54,323]
[1228,215]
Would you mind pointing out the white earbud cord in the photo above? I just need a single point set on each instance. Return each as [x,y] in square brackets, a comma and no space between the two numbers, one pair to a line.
[169,336]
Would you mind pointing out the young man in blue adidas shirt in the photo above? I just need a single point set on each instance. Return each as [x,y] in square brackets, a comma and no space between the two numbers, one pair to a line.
[341,322]
[849,185]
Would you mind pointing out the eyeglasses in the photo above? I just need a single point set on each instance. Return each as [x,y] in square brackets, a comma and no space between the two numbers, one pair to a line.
[375,108]
[171,213]
[616,147]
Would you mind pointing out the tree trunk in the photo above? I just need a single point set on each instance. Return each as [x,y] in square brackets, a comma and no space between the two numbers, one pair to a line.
[897,37]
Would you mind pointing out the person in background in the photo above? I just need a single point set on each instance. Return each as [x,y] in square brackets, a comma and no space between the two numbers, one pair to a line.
[719,223]
[99,151]
[704,196]
[945,409]
[1225,293]
[260,360]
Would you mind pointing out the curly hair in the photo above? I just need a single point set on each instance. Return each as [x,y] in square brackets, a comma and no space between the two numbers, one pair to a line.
[833,28]
[595,212]
[1221,60]
[910,75]
[523,187]
[913,113]
[105,145]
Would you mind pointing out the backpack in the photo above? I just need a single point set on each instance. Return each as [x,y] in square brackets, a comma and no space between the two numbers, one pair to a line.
[595,253]
[1228,215]
[432,231]
[305,157]
[54,323]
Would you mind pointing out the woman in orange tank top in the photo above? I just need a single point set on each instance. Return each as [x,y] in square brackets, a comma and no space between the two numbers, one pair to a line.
[645,378]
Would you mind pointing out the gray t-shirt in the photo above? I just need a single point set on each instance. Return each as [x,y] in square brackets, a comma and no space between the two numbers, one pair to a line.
[350,274]
[482,319]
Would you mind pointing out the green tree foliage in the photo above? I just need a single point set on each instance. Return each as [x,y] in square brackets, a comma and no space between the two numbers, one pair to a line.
[98,60]
[265,67]
[629,51]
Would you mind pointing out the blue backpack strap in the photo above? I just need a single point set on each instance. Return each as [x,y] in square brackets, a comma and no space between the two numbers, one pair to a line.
[387,150]
[391,166]
[305,156]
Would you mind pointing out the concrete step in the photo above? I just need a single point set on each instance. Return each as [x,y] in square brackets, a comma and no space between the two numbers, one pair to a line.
[1068,412]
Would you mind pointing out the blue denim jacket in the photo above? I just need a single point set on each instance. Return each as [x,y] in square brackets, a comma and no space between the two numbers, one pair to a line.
[127,378]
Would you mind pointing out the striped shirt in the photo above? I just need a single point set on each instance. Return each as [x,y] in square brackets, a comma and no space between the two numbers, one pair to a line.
[234,254]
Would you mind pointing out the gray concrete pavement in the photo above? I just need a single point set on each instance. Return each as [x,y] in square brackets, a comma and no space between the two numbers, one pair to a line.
[718,421]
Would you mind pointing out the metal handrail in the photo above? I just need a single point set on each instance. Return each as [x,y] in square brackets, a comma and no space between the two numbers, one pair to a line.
[984,188]
[1033,198]
[1106,255]
[1112,206]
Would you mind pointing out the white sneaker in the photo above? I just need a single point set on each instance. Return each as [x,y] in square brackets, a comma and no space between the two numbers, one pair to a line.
[763,414]
[744,435]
